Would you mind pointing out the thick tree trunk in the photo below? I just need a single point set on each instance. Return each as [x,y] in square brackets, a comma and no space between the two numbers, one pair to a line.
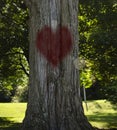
[54,98]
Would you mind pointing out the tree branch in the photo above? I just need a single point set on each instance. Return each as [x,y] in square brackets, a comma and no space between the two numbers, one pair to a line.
[23,68]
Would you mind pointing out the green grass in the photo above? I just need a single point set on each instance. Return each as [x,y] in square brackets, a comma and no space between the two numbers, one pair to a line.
[11,115]
[100,113]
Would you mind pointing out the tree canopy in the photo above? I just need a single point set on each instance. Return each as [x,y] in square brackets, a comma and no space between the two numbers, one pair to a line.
[13,44]
[98,42]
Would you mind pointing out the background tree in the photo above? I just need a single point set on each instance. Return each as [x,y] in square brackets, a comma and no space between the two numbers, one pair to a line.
[54,100]
[13,47]
[98,45]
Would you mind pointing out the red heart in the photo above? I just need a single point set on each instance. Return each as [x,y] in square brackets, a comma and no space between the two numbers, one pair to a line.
[54,45]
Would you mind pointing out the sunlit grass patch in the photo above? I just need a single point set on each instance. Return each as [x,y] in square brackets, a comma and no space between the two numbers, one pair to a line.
[13,111]
[101,114]
[11,115]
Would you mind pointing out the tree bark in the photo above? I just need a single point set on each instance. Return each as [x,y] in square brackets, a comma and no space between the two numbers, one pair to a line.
[54,94]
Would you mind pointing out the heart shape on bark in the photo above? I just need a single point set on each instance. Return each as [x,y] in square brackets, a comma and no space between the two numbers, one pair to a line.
[54,45]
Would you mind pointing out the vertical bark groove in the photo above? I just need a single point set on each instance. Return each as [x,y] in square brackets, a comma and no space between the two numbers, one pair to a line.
[54,100]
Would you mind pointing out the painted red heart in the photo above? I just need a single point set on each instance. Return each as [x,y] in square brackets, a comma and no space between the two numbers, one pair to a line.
[54,45]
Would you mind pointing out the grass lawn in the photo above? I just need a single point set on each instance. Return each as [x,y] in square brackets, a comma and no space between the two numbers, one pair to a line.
[11,115]
[100,113]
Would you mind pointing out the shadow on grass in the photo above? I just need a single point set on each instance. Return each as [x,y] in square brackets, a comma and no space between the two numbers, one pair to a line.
[110,119]
[6,124]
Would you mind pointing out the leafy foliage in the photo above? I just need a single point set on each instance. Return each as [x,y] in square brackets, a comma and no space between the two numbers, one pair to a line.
[98,43]
[13,44]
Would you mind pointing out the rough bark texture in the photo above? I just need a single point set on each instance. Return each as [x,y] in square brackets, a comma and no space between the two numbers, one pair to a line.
[54,100]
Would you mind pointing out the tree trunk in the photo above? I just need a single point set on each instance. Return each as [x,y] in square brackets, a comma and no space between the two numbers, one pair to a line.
[54,94]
